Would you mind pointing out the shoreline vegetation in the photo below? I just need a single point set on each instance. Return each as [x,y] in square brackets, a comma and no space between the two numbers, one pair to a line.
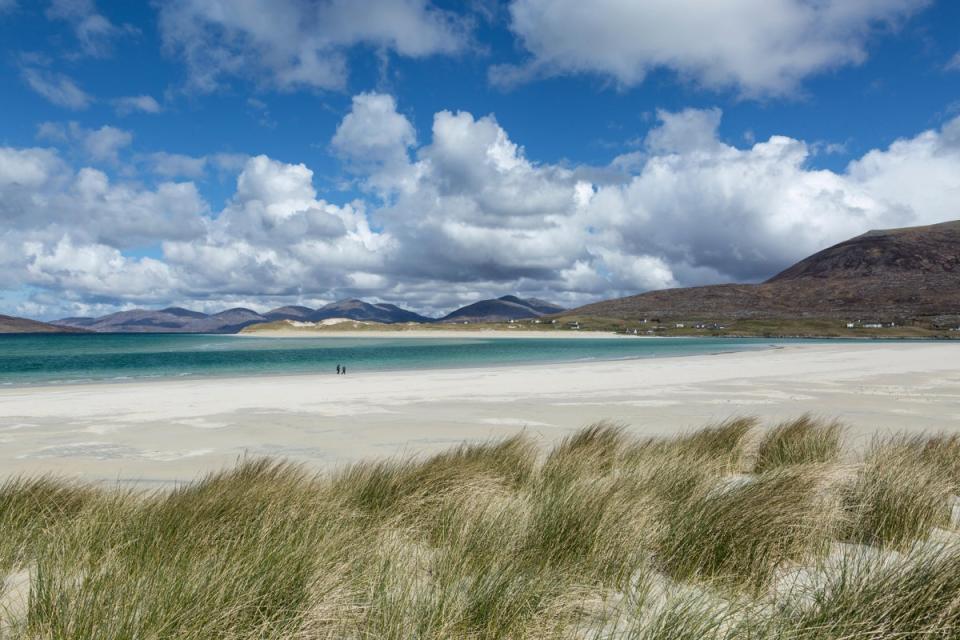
[575,326]
[738,530]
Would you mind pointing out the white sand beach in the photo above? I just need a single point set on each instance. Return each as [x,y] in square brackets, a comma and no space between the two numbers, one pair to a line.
[153,433]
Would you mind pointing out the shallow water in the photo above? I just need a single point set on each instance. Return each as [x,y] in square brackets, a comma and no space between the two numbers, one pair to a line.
[51,359]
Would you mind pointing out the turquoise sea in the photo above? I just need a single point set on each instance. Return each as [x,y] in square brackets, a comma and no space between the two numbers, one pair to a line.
[52,359]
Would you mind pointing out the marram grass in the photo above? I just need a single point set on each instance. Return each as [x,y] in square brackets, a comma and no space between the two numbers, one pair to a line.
[606,536]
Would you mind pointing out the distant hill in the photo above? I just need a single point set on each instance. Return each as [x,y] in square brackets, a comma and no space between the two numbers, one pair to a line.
[887,274]
[170,320]
[360,310]
[502,309]
[291,312]
[11,324]
[179,320]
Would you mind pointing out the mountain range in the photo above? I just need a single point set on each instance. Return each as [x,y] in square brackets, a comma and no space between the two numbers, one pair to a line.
[179,320]
[893,275]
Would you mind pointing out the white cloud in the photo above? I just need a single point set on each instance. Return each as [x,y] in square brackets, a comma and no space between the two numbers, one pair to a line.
[143,104]
[276,238]
[42,199]
[374,140]
[100,145]
[105,143]
[758,47]
[96,270]
[173,165]
[302,44]
[686,131]
[56,87]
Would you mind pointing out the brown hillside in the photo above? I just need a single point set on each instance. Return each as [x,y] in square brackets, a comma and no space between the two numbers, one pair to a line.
[889,274]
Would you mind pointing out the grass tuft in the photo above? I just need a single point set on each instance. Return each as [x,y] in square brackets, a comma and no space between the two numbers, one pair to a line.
[805,440]
[898,496]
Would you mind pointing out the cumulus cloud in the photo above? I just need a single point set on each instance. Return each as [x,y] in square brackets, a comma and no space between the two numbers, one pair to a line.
[142,104]
[758,47]
[42,198]
[374,140]
[276,238]
[56,87]
[303,43]
[473,216]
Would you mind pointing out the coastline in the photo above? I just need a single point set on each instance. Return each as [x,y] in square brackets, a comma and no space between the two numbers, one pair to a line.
[157,432]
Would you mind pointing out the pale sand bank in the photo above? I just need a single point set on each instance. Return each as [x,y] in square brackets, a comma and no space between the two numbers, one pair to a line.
[156,432]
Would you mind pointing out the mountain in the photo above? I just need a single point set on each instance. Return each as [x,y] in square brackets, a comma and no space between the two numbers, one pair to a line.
[291,312]
[360,310]
[11,324]
[892,274]
[232,320]
[502,309]
[170,320]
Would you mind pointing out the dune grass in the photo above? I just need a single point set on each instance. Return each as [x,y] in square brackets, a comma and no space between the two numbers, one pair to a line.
[899,495]
[605,536]
[801,441]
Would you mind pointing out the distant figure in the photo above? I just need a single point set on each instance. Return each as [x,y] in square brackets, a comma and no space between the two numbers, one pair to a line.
[344,369]
[338,369]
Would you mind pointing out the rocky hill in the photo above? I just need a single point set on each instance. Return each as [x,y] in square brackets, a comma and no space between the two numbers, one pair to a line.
[884,275]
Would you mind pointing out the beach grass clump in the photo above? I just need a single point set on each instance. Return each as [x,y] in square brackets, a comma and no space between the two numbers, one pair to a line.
[232,556]
[603,536]
[872,594]
[30,507]
[941,452]
[805,440]
[723,441]
[377,487]
[742,533]
[897,497]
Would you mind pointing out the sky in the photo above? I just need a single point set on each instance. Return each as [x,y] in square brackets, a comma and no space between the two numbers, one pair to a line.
[259,153]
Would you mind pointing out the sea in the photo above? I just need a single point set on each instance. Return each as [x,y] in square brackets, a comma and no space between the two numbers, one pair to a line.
[87,358]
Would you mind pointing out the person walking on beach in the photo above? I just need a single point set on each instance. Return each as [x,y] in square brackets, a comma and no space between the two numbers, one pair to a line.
[338,369]
[344,370]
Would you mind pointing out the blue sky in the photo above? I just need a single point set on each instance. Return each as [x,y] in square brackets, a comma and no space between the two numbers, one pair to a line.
[264,153]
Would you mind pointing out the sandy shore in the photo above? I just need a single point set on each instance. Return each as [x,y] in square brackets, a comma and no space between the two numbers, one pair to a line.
[157,432]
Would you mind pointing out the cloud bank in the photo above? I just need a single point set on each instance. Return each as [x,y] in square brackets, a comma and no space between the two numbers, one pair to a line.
[451,214]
